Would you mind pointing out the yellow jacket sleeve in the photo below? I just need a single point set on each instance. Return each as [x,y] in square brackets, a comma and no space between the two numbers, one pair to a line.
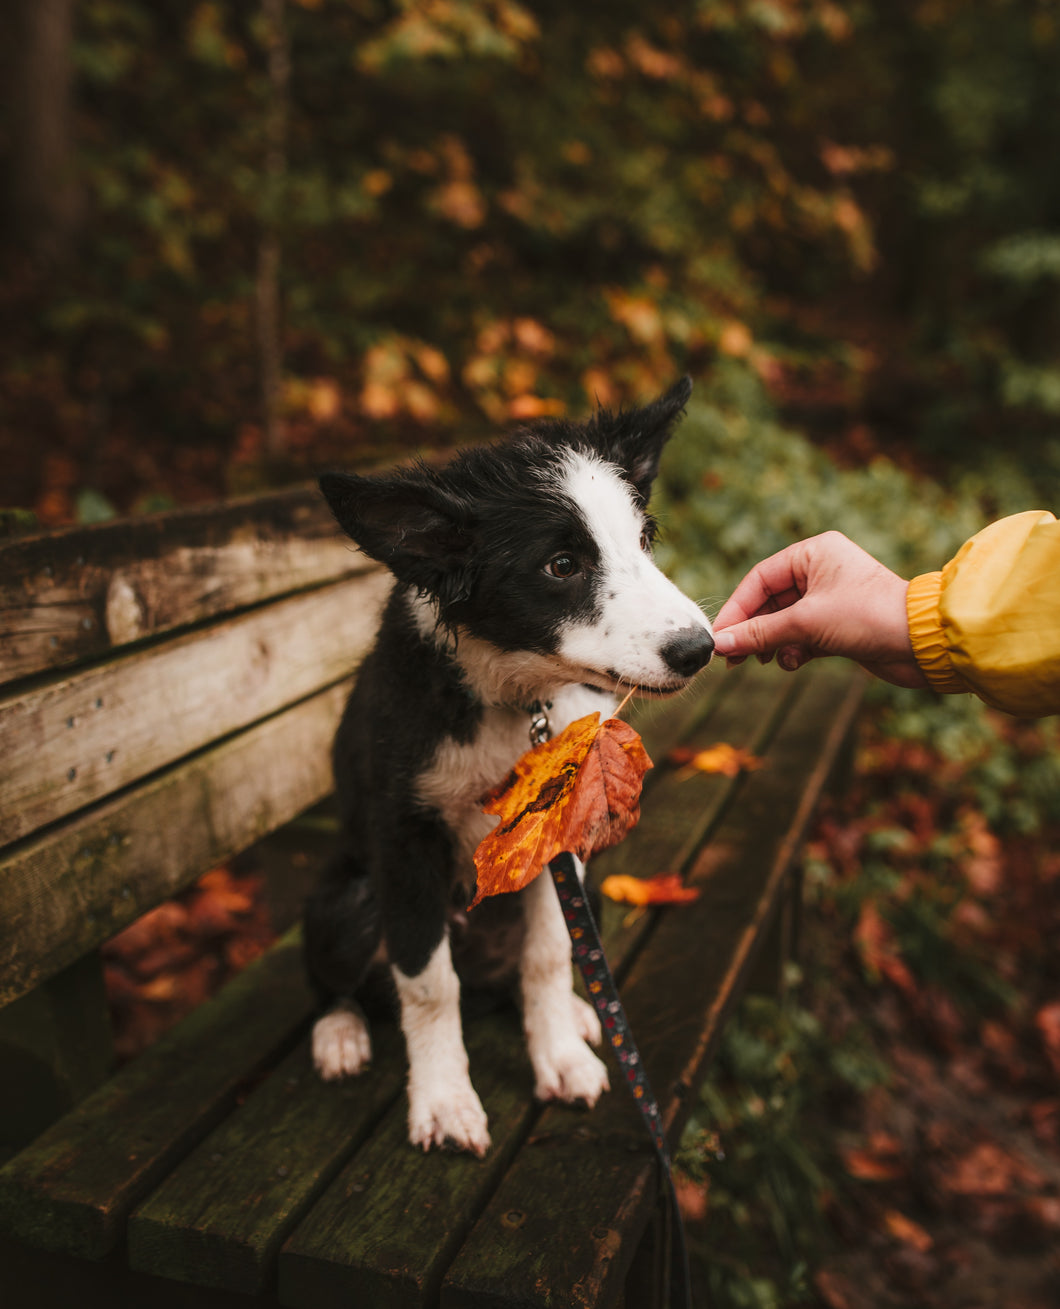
[989,622]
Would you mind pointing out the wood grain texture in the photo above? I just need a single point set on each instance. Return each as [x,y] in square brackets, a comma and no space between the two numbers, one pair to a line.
[387,1228]
[587,1201]
[72,1189]
[76,739]
[219,1219]
[74,594]
[74,887]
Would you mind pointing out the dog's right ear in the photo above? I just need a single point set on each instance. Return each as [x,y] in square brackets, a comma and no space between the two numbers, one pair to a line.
[408,522]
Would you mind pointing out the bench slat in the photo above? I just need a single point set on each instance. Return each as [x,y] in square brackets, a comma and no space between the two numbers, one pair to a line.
[387,1228]
[72,595]
[592,1202]
[680,811]
[79,738]
[219,1218]
[73,888]
[72,1189]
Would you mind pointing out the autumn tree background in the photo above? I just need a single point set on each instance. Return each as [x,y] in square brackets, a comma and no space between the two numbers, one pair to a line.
[313,229]
[244,239]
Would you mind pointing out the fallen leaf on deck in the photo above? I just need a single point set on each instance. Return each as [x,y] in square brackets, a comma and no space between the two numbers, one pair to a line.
[721,758]
[578,792]
[665,888]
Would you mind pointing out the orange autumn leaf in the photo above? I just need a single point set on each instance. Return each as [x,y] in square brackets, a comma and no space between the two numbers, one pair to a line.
[578,792]
[720,758]
[870,1167]
[664,888]
[904,1229]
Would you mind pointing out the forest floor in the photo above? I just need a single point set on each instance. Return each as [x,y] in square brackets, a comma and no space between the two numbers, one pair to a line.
[940,1185]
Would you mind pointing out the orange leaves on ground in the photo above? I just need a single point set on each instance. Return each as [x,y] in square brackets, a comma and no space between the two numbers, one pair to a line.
[879,1160]
[721,758]
[1047,1022]
[160,967]
[875,941]
[904,1229]
[664,888]
[988,1169]
[578,792]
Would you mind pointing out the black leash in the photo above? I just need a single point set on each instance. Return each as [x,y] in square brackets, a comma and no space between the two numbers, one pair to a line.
[603,994]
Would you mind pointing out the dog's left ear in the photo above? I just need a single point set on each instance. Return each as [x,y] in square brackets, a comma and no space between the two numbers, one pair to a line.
[408,521]
[634,438]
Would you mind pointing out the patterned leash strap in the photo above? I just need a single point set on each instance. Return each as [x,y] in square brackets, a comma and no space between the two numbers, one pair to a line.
[603,994]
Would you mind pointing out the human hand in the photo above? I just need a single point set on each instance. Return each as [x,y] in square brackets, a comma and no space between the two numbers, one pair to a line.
[822,596]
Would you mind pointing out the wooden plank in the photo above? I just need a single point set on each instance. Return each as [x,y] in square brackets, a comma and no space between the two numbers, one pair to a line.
[679,812]
[76,739]
[71,595]
[387,1228]
[576,1240]
[72,1189]
[77,885]
[218,1220]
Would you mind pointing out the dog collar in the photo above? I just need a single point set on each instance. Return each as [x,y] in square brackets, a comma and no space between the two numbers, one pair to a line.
[540,727]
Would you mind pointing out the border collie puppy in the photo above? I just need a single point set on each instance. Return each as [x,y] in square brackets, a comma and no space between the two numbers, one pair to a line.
[524,585]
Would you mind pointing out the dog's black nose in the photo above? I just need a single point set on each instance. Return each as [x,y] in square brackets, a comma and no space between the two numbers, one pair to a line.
[688,651]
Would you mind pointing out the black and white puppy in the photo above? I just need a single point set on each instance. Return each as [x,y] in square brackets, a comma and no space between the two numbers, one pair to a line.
[524,578]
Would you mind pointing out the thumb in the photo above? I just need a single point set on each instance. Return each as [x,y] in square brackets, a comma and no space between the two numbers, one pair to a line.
[761,634]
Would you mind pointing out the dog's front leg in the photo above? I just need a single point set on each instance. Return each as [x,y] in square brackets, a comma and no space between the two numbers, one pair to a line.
[443,1106]
[556,1022]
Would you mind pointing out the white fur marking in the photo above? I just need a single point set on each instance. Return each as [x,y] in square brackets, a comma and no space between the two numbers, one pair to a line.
[640,606]
[443,1106]
[341,1044]
[554,1021]
[460,775]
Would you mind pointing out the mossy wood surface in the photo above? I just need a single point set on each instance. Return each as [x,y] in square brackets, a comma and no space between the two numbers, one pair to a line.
[75,594]
[219,1218]
[73,1188]
[389,1225]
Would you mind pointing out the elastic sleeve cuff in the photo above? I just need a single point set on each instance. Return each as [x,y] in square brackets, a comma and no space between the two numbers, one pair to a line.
[926,634]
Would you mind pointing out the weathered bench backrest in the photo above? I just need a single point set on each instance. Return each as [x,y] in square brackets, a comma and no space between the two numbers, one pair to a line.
[168,690]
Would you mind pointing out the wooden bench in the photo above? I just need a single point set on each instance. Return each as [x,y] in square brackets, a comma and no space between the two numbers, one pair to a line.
[169,690]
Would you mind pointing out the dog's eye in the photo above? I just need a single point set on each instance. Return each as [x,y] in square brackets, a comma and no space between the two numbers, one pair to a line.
[562,566]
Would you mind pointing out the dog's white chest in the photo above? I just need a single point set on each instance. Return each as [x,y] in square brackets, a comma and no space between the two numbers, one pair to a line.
[460,775]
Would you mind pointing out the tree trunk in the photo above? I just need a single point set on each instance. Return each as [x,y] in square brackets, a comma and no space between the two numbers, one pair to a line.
[270,342]
[44,197]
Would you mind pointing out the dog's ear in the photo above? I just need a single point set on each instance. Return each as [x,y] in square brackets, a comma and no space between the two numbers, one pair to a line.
[409,522]
[634,438]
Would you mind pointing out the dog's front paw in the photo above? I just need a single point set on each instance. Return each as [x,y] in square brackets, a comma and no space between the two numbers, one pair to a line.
[451,1116]
[571,1073]
[341,1044]
[586,1023]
